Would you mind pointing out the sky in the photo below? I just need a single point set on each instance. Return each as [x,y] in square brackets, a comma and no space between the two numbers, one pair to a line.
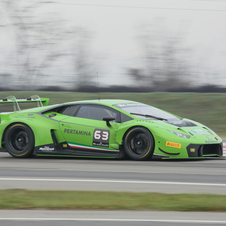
[115,27]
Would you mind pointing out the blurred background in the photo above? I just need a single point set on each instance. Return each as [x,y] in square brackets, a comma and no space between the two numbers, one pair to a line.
[145,45]
[163,49]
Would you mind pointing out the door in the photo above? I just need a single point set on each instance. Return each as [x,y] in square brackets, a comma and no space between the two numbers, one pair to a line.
[87,131]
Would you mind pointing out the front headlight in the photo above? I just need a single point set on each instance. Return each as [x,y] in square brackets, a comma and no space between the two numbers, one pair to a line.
[180,134]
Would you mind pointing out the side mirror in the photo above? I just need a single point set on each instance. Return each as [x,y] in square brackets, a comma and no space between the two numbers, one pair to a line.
[108,119]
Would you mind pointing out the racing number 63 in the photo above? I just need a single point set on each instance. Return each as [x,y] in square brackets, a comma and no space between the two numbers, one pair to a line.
[101,135]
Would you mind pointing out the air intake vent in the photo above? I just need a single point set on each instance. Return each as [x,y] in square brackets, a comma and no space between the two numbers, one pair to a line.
[210,149]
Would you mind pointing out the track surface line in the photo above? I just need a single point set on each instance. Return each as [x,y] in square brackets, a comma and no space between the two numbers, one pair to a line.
[111,181]
[114,220]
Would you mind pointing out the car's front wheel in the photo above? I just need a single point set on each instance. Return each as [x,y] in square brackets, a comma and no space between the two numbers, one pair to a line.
[19,140]
[139,144]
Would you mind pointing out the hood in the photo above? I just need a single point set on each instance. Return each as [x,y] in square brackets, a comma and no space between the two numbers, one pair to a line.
[194,131]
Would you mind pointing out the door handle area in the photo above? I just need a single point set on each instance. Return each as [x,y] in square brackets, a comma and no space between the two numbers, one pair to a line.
[66,125]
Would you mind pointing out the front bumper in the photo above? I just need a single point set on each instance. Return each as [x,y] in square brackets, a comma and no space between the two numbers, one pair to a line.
[204,150]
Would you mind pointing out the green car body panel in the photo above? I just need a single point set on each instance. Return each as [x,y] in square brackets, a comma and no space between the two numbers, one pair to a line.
[64,130]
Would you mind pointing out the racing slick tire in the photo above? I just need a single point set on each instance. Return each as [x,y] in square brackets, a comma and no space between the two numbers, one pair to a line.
[19,140]
[139,144]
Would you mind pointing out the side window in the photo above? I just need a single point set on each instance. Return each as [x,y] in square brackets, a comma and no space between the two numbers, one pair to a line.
[96,112]
[69,110]
[125,118]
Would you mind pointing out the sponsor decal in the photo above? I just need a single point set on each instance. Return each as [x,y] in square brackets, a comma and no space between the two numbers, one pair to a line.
[172,144]
[100,144]
[211,141]
[46,148]
[176,122]
[199,132]
[128,105]
[21,99]
[12,100]
[101,138]
[192,149]
[24,117]
[78,132]
[84,147]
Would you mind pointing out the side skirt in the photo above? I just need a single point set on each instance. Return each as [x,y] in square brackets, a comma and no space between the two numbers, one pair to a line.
[52,150]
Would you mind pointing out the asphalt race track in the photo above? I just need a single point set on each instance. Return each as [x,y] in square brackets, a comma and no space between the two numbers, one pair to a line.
[196,176]
[199,176]
[108,218]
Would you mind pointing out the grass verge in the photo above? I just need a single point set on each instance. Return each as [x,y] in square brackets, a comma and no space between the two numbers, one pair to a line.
[70,200]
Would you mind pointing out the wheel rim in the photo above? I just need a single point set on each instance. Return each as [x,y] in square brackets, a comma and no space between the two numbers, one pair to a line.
[19,140]
[138,143]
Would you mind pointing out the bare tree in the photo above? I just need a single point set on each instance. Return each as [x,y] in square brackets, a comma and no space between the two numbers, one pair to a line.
[37,39]
[85,63]
[166,59]
[138,75]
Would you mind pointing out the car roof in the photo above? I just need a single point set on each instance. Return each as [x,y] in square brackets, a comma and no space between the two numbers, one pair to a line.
[109,102]
[106,102]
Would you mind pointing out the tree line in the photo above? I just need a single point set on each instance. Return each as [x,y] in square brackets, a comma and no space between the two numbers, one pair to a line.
[40,43]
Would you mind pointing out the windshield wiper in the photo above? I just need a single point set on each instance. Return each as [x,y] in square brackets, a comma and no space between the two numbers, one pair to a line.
[149,116]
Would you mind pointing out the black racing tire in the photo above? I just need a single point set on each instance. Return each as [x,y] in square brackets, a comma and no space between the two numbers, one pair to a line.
[139,144]
[19,140]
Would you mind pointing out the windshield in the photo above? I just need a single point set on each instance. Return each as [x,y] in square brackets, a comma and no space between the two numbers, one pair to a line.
[144,109]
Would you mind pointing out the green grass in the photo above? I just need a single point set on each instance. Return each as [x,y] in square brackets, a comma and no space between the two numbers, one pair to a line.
[71,200]
[206,108]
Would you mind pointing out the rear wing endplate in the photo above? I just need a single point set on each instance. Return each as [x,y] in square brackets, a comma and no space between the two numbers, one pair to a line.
[35,98]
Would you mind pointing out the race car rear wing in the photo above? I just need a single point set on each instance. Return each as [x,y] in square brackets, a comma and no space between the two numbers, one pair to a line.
[35,98]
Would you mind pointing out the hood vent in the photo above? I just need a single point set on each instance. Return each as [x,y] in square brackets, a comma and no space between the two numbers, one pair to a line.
[180,123]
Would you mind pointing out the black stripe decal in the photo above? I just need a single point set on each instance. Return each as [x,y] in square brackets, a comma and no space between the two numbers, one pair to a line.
[168,152]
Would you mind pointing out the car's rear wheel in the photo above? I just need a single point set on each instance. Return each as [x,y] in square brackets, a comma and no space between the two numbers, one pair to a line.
[19,140]
[139,144]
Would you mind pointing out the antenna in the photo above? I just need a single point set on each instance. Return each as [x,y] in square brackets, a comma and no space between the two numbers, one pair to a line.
[98,86]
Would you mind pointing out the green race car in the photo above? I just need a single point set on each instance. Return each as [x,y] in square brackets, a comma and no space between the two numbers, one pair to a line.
[103,128]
